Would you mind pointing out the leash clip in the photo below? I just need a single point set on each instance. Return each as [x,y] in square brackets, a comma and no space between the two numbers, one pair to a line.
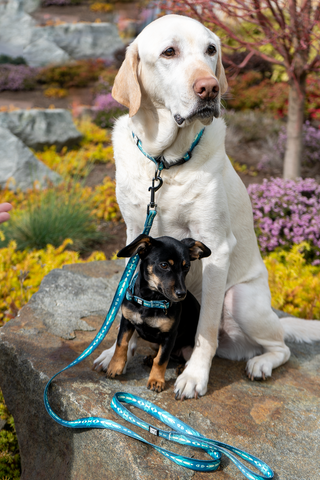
[154,189]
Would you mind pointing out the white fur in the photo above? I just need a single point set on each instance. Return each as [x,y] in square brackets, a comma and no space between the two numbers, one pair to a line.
[204,199]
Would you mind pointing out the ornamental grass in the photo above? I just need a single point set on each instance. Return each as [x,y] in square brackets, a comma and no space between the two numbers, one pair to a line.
[50,221]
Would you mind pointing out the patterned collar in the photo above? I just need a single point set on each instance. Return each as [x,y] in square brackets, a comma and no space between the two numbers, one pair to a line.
[160,161]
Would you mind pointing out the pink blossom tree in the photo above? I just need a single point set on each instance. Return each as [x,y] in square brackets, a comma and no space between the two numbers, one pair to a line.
[283,32]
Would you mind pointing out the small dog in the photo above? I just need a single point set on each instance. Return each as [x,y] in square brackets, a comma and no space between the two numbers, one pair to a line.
[158,305]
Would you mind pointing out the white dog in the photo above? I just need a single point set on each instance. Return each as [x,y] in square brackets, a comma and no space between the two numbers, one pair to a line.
[171,81]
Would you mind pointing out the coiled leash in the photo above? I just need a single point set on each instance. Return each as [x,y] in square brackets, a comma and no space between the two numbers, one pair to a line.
[180,432]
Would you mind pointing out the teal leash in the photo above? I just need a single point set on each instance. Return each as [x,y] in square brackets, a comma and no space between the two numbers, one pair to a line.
[180,432]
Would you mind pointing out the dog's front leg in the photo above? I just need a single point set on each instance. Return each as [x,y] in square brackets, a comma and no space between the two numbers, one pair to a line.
[194,379]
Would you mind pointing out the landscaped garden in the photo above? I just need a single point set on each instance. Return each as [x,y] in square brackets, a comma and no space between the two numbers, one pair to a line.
[79,220]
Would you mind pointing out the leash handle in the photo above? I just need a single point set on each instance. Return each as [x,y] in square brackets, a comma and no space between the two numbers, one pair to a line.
[181,432]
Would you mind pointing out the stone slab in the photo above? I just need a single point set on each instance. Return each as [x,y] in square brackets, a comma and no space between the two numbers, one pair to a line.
[276,420]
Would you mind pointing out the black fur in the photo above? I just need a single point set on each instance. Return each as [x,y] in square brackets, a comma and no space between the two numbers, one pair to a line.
[164,265]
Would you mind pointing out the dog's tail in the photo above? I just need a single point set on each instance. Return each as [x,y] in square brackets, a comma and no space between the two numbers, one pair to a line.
[299,330]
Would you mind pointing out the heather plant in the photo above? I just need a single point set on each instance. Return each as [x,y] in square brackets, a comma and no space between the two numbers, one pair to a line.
[287,212]
[107,110]
[17,77]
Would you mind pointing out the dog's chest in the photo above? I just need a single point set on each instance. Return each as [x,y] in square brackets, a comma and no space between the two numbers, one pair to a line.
[143,319]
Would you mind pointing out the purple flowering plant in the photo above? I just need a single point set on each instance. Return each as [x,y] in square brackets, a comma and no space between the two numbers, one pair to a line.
[287,212]
[107,110]
[17,77]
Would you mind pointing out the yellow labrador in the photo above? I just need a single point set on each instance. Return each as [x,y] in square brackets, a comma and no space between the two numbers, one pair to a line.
[171,81]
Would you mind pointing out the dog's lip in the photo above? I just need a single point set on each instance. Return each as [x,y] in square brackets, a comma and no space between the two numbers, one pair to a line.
[205,111]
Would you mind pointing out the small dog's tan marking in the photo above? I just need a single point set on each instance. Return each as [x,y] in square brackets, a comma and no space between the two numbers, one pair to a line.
[156,380]
[183,263]
[163,324]
[119,358]
[154,281]
[171,262]
[133,317]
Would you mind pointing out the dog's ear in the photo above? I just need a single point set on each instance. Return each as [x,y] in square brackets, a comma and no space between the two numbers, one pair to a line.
[197,250]
[141,245]
[126,88]
[221,76]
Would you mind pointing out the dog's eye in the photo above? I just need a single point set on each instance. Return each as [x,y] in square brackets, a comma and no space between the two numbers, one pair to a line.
[170,52]
[186,268]
[211,50]
[164,265]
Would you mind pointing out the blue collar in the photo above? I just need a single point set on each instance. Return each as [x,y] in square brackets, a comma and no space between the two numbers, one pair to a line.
[160,161]
[145,303]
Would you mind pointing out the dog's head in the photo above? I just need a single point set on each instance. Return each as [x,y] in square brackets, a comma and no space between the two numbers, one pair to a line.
[165,262]
[175,63]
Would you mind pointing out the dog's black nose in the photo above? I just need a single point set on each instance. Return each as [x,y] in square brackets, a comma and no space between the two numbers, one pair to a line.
[181,293]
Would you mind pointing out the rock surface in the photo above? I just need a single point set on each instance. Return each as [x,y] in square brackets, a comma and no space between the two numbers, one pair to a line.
[40,128]
[275,420]
[40,46]
[42,51]
[86,40]
[17,161]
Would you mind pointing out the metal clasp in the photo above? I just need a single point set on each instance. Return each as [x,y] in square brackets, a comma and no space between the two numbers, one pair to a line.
[154,189]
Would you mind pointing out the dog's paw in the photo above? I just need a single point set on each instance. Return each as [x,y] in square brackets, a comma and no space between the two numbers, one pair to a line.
[192,383]
[116,367]
[259,367]
[102,362]
[155,384]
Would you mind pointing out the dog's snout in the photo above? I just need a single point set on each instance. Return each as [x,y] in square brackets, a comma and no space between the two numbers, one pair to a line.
[181,293]
[206,88]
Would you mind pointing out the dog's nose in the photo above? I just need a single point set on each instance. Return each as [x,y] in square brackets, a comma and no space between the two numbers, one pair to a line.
[181,293]
[206,88]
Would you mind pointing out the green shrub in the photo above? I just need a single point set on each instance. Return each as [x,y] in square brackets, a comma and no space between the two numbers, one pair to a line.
[76,74]
[105,118]
[10,467]
[5,59]
[51,220]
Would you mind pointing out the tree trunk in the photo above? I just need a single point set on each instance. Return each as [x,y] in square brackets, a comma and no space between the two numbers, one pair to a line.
[292,158]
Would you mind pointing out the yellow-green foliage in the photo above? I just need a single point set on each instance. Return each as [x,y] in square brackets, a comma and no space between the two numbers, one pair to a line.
[21,273]
[9,449]
[55,92]
[91,132]
[102,199]
[94,148]
[76,163]
[294,285]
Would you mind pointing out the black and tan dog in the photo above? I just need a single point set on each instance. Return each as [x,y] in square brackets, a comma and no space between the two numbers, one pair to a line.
[158,305]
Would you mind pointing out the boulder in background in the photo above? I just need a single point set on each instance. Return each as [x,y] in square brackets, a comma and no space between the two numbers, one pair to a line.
[40,128]
[17,161]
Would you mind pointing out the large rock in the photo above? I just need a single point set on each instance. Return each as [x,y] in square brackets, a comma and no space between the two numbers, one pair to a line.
[276,420]
[54,44]
[40,128]
[43,51]
[17,161]
[27,6]
[86,40]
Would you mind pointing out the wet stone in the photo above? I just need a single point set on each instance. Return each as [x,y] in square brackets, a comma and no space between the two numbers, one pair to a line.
[275,420]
